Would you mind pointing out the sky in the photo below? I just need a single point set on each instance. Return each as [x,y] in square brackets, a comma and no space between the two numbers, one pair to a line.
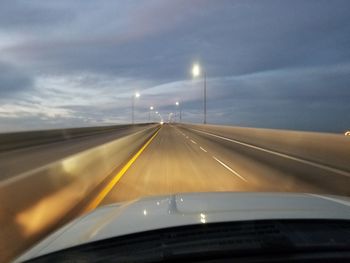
[271,64]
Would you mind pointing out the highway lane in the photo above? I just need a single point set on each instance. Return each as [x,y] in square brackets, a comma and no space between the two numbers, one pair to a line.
[181,160]
[289,171]
[17,161]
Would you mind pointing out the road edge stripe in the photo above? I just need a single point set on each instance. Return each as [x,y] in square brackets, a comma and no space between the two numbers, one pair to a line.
[99,198]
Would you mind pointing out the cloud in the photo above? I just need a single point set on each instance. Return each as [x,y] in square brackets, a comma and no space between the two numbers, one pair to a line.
[310,98]
[266,62]
[18,16]
[22,110]
[13,81]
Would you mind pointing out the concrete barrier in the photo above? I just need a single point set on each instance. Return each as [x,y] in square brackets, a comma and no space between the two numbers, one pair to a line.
[16,140]
[34,203]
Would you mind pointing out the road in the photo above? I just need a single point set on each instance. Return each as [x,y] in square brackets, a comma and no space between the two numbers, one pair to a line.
[69,178]
[181,160]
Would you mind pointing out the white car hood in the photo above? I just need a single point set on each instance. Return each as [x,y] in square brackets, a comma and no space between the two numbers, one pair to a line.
[188,209]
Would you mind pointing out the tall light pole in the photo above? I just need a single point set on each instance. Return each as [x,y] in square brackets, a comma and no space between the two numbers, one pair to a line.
[149,115]
[179,105]
[169,117]
[133,97]
[196,71]
[160,117]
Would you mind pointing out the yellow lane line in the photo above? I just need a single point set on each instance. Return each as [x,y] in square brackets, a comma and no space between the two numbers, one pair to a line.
[117,177]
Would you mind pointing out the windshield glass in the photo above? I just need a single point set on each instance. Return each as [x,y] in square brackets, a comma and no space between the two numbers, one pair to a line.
[103,102]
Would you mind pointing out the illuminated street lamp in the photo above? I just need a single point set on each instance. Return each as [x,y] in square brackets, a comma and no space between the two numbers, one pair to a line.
[149,115]
[178,104]
[196,71]
[160,117]
[133,97]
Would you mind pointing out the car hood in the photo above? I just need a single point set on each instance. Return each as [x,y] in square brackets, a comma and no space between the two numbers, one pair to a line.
[188,209]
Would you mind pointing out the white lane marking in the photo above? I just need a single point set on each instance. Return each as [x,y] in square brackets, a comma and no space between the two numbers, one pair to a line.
[204,150]
[321,166]
[229,168]
[331,199]
[193,141]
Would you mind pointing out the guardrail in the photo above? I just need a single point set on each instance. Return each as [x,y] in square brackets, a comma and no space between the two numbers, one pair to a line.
[319,158]
[16,140]
[34,203]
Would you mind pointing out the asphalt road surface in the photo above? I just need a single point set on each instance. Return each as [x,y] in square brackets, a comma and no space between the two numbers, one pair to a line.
[181,160]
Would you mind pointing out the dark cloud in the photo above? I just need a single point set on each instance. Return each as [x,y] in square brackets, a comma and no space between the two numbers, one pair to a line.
[20,15]
[229,38]
[320,83]
[13,81]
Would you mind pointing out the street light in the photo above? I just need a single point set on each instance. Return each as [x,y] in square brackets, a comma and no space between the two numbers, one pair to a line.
[196,71]
[133,97]
[160,117]
[169,117]
[180,109]
[149,115]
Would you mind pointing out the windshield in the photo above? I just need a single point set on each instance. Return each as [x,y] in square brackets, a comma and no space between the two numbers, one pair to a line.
[103,102]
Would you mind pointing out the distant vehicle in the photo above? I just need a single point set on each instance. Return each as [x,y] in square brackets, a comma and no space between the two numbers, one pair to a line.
[347,133]
[206,227]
